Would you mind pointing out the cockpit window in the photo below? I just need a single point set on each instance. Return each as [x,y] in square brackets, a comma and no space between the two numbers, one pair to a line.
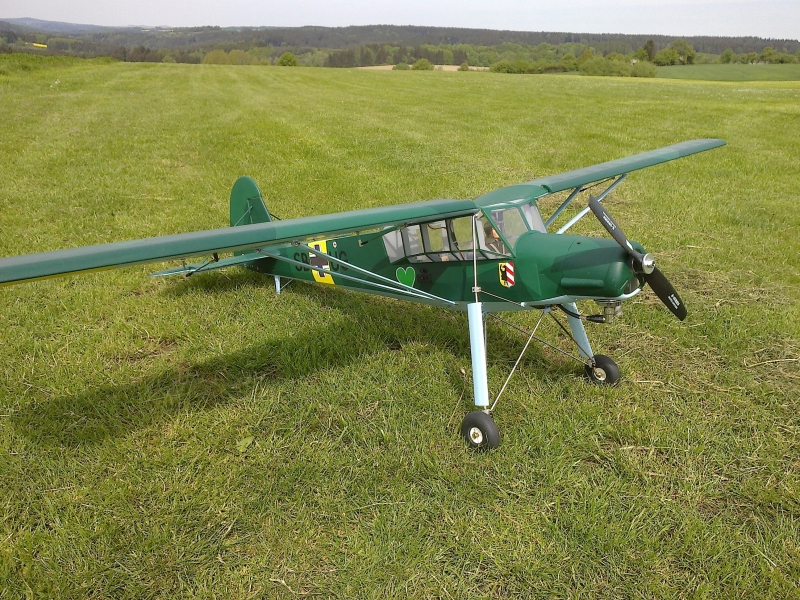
[461,233]
[444,241]
[454,239]
[514,221]
[492,244]
[533,217]
[435,235]
[510,223]
[412,239]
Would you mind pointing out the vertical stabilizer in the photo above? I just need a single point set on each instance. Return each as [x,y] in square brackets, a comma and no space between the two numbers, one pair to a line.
[247,205]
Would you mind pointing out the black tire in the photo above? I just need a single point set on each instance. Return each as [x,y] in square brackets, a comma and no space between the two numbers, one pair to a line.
[480,431]
[605,371]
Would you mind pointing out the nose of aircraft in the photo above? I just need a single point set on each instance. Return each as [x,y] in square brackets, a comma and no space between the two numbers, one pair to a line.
[570,265]
[597,267]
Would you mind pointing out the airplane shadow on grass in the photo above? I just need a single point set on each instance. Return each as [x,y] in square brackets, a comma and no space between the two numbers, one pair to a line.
[371,324]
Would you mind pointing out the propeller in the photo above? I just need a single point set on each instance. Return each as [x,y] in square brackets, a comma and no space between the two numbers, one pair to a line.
[642,263]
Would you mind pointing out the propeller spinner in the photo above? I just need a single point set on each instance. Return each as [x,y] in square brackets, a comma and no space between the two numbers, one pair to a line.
[642,263]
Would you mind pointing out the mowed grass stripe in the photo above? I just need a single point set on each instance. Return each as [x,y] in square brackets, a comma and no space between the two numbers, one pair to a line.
[128,403]
[732,72]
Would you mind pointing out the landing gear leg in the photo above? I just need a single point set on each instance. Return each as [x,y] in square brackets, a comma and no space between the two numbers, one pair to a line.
[603,370]
[478,427]
[477,345]
[578,332]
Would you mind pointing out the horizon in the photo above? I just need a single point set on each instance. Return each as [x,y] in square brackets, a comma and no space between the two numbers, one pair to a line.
[673,18]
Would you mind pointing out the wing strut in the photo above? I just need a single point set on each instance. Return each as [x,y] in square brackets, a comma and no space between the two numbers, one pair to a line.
[403,287]
[600,198]
[564,205]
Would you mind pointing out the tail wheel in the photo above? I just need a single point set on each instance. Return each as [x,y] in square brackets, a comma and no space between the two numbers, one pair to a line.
[480,431]
[604,372]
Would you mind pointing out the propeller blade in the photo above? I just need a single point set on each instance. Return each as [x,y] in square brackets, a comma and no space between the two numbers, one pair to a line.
[643,263]
[666,293]
[611,226]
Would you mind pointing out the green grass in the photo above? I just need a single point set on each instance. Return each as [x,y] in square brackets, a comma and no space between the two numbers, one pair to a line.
[732,72]
[16,63]
[205,438]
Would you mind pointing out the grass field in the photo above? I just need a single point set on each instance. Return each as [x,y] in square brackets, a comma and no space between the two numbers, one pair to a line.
[733,72]
[206,438]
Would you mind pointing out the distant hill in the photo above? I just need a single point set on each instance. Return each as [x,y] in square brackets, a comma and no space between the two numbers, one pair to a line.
[58,27]
[346,37]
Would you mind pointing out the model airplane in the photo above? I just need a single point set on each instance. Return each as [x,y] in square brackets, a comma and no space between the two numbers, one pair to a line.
[483,256]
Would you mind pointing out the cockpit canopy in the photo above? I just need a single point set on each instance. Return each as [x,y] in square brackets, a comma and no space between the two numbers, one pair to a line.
[498,227]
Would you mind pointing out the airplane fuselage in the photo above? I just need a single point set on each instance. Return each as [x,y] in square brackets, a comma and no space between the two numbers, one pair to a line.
[543,269]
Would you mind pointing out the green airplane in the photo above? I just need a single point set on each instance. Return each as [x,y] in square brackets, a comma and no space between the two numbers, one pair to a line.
[484,256]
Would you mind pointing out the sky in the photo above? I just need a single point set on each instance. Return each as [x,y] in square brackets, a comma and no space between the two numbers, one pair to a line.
[765,18]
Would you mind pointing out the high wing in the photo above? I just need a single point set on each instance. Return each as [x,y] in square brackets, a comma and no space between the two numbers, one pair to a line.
[606,170]
[229,239]
[551,184]
[245,238]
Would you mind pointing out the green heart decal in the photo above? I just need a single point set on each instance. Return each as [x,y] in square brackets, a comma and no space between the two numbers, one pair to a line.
[406,276]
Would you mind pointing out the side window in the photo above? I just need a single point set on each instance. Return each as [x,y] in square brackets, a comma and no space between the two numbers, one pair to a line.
[460,231]
[412,240]
[491,243]
[393,241]
[437,243]
[534,218]
[412,244]
[435,235]
[461,234]
[444,241]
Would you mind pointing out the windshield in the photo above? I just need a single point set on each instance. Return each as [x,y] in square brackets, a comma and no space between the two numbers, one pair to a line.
[513,221]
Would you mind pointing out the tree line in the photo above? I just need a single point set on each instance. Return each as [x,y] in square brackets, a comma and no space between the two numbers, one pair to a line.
[768,56]
[192,41]
[549,58]
[337,38]
[503,51]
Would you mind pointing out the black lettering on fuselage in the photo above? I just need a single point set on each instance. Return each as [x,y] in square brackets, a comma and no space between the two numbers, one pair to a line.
[320,262]
[342,256]
[303,258]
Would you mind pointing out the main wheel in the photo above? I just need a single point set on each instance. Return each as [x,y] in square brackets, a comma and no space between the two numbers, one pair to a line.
[480,431]
[605,371]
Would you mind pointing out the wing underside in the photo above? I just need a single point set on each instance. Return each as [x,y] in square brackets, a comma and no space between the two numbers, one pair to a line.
[211,264]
